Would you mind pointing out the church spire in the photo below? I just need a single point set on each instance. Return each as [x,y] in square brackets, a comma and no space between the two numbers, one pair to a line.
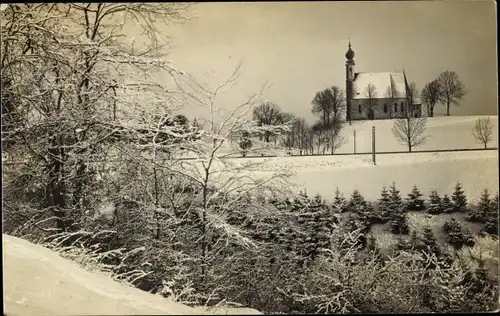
[350,53]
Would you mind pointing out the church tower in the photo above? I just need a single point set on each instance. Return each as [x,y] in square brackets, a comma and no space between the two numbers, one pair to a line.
[349,68]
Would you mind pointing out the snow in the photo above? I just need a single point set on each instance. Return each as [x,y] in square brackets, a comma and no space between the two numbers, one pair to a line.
[38,281]
[442,132]
[477,170]
[381,81]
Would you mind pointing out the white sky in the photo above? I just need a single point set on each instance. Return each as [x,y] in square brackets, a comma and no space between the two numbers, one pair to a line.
[299,47]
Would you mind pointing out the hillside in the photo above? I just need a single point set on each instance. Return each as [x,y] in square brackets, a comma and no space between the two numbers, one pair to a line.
[37,281]
[443,132]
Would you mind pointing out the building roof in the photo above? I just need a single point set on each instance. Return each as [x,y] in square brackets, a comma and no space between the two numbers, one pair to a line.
[383,81]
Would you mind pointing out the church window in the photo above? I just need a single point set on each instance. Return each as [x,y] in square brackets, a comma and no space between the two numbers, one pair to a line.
[359,108]
[402,107]
[385,108]
[395,107]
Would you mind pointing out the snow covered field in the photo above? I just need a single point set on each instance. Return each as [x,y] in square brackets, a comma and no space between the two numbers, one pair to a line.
[476,170]
[443,132]
[37,281]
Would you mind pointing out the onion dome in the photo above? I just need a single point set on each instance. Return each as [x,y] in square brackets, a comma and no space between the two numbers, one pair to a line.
[350,53]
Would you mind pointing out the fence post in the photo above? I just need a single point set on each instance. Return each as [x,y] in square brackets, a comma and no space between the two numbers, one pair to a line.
[354,141]
[373,145]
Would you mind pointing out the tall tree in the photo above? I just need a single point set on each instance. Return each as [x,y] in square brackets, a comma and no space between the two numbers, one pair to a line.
[431,95]
[267,114]
[453,89]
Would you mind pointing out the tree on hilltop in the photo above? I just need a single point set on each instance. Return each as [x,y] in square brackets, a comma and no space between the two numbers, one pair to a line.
[452,89]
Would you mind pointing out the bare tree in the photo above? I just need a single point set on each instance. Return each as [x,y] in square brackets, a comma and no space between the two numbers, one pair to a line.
[452,88]
[268,114]
[431,95]
[224,182]
[370,94]
[328,104]
[483,131]
[409,131]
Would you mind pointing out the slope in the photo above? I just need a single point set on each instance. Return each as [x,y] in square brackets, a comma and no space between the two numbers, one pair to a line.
[37,281]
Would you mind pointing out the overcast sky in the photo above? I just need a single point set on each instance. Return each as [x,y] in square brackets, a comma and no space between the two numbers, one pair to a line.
[299,47]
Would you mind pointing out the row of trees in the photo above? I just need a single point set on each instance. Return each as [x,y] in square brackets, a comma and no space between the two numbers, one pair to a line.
[328,105]
[446,89]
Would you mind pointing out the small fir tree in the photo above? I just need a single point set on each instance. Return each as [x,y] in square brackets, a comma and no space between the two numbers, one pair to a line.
[446,204]
[384,204]
[357,203]
[491,224]
[479,214]
[429,242]
[396,205]
[434,203]
[414,200]
[339,202]
[456,235]
[399,224]
[459,199]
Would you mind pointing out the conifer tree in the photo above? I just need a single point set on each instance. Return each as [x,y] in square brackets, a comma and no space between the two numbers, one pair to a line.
[399,224]
[384,204]
[429,242]
[491,225]
[434,203]
[357,203]
[459,199]
[339,202]
[415,241]
[446,204]
[479,214]
[456,235]
[396,204]
[414,200]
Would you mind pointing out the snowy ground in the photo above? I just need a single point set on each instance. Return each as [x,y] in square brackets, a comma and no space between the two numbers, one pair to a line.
[476,170]
[37,281]
[453,132]
[443,132]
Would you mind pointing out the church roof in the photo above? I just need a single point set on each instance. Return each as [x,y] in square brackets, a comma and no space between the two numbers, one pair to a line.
[383,81]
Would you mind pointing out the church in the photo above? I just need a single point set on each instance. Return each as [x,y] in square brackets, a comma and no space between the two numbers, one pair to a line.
[377,95]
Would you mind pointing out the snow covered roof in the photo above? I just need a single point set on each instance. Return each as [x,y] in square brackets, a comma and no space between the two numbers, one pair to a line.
[382,82]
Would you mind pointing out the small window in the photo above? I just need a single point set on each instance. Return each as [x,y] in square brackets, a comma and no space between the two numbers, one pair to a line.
[385,108]
[359,108]
[402,107]
[395,107]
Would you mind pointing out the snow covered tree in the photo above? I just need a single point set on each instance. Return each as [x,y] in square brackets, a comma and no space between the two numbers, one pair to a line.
[491,225]
[434,203]
[384,204]
[459,199]
[357,203]
[414,200]
[480,212]
[396,202]
[399,224]
[339,202]
[245,143]
[456,235]
[429,241]
[446,204]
